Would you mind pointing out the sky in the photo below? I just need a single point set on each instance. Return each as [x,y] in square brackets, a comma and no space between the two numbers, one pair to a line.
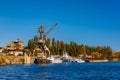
[89,22]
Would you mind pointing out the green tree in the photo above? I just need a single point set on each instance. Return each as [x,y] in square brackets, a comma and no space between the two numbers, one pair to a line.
[116,56]
[58,47]
[74,49]
[88,51]
[31,46]
[82,49]
[53,46]
[48,43]
[98,49]
[5,50]
[96,55]
[63,47]
[36,38]
[106,52]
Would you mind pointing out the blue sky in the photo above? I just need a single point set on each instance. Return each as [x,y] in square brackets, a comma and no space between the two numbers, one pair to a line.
[90,22]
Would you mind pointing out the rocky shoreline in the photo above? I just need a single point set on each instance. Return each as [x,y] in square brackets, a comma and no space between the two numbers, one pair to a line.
[7,60]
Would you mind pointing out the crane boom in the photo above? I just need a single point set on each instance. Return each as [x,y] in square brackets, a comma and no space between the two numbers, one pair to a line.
[50,29]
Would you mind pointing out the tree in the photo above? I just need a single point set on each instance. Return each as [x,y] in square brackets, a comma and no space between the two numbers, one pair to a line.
[36,39]
[74,49]
[116,55]
[48,43]
[108,52]
[5,50]
[53,46]
[31,46]
[98,49]
[95,55]
[63,46]
[82,49]
[69,49]
[88,51]
[58,46]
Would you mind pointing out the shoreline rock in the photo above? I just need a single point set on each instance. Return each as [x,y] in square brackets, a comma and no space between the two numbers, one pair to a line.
[7,60]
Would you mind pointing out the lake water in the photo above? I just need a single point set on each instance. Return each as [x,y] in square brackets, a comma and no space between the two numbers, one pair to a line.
[84,71]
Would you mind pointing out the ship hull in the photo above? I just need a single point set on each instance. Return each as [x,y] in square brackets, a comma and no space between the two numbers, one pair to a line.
[42,61]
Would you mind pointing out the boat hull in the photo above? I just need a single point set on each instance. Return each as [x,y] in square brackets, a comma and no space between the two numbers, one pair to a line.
[42,61]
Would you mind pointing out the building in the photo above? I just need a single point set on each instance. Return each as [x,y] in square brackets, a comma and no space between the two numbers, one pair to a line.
[1,49]
[15,47]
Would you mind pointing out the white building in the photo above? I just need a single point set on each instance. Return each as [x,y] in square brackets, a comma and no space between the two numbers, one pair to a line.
[1,49]
[15,47]
[16,53]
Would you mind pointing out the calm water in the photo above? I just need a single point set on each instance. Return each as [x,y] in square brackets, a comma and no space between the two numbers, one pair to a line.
[84,71]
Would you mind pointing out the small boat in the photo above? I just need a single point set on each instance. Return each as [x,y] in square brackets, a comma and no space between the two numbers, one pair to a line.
[79,61]
[54,60]
[58,60]
[50,59]
[74,61]
[66,60]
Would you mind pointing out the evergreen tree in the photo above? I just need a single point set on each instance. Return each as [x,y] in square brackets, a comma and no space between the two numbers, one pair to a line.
[73,49]
[31,46]
[82,49]
[53,46]
[58,47]
[98,49]
[36,38]
[95,55]
[48,43]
